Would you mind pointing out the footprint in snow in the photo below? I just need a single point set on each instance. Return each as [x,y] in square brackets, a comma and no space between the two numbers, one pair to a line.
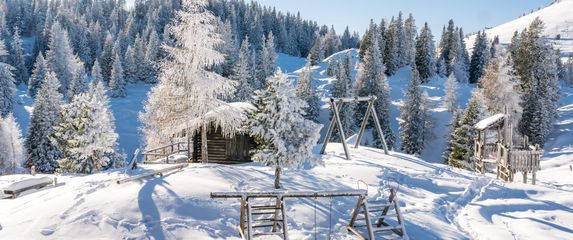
[47,231]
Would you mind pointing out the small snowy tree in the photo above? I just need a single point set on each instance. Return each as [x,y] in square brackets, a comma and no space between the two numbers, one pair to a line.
[425,60]
[117,81]
[413,118]
[462,142]
[7,86]
[96,73]
[284,137]
[86,133]
[17,58]
[38,75]
[451,89]
[341,88]
[12,153]
[452,126]
[79,82]
[242,74]
[60,57]
[42,152]
[305,92]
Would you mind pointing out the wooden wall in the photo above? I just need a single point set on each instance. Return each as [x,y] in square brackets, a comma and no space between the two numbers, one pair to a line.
[224,150]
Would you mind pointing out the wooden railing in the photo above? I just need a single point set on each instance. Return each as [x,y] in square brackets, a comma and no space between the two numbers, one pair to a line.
[166,151]
[482,152]
[518,160]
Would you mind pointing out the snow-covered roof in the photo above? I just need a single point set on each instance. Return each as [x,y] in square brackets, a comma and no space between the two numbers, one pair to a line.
[228,118]
[490,121]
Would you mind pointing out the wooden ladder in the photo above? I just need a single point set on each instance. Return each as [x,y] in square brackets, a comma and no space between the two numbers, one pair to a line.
[378,219]
[260,219]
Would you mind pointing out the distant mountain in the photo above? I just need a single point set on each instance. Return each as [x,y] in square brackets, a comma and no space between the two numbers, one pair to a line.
[558,19]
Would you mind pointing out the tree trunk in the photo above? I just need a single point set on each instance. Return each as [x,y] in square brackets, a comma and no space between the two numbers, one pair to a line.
[204,150]
[277,177]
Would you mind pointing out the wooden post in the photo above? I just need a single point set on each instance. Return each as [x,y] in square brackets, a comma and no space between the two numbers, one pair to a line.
[378,127]
[204,153]
[363,125]
[340,129]
[330,129]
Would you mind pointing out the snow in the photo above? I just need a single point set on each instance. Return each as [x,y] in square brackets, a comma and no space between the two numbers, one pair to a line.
[557,18]
[438,202]
[487,122]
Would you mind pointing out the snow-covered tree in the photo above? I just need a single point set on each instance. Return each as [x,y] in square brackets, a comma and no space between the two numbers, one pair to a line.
[342,88]
[413,118]
[452,126]
[60,57]
[316,54]
[451,89]
[12,153]
[151,60]
[79,82]
[106,58]
[117,81]
[242,74]
[7,86]
[42,152]
[462,142]
[305,92]
[479,57]
[17,59]
[38,75]
[425,62]
[410,33]
[130,66]
[96,73]
[391,57]
[284,137]
[86,133]
[449,47]
[187,89]
[371,81]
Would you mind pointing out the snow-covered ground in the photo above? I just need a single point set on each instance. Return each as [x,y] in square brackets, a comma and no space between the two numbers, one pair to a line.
[438,202]
[558,19]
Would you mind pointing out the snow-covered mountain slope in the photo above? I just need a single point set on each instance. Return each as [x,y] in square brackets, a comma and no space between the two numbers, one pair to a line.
[398,85]
[558,19]
[438,202]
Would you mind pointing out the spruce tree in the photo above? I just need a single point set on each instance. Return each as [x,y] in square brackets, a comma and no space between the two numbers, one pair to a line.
[371,81]
[479,58]
[7,86]
[12,153]
[151,58]
[17,59]
[462,142]
[117,81]
[42,152]
[342,88]
[452,126]
[315,54]
[96,73]
[106,58]
[78,83]
[425,54]
[241,73]
[130,66]
[305,92]
[284,138]
[410,33]
[391,57]
[413,117]
[451,89]
[60,57]
[38,75]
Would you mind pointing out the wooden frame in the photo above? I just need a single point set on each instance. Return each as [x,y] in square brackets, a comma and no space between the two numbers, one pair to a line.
[336,105]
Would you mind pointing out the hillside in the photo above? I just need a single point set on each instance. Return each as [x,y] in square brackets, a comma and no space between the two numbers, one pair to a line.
[558,19]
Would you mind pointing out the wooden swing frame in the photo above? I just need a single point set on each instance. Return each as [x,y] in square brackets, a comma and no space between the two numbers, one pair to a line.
[336,106]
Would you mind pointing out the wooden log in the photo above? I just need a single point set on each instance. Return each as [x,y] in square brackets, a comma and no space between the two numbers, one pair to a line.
[153,173]
[290,194]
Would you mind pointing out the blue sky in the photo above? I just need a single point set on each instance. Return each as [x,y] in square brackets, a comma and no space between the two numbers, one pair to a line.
[470,15]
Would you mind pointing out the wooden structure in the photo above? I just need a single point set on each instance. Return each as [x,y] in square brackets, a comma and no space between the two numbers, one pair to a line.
[336,106]
[36,183]
[158,173]
[164,153]
[271,218]
[223,149]
[494,145]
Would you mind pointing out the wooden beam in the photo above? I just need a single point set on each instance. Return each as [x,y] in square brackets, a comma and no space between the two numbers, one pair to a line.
[153,173]
[378,127]
[363,125]
[340,129]
[290,194]
[350,99]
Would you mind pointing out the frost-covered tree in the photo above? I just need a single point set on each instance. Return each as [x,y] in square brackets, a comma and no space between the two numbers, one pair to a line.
[391,57]
[498,86]
[38,75]
[371,81]
[449,47]
[7,86]
[106,58]
[462,142]
[479,57]
[410,33]
[425,62]
[17,59]
[451,89]
[60,57]
[86,133]
[241,73]
[130,66]
[342,88]
[79,82]
[413,118]
[452,126]
[117,81]
[316,54]
[187,89]
[96,73]
[151,60]
[268,57]
[305,92]
[42,152]
[12,153]
[284,137]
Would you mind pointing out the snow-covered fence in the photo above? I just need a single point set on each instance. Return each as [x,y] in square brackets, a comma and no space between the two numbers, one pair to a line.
[512,161]
[21,186]
[159,173]
[164,152]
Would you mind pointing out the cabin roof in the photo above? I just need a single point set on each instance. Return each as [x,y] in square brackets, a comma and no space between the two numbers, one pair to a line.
[228,117]
[490,121]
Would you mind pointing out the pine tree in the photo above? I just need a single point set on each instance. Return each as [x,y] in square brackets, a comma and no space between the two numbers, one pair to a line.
[449,47]
[7,86]
[38,75]
[371,81]
[479,57]
[305,92]
[60,57]
[413,118]
[78,84]
[284,138]
[186,89]
[342,88]
[96,73]
[462,141]
[451,89]
[151,58]
[452,126]
[117,81]
[410,33]
[42,152]
[130,66]
[316,54]
[241,73]
[460,63]
[17,59]
[12,153]
[269,56]
[391,57]
[86,133]
[106,58]
[425,54]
